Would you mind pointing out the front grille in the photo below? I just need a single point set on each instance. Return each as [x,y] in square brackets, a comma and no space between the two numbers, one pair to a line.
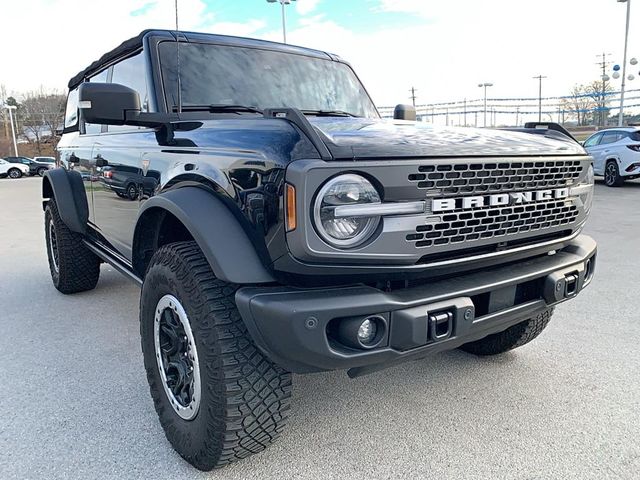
[469,178]
[487,223]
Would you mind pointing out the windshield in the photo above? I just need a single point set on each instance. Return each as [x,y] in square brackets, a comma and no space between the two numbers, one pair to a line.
[226,75]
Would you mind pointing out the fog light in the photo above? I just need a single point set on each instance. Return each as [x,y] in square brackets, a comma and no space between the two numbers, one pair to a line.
[360,332]
[367,331]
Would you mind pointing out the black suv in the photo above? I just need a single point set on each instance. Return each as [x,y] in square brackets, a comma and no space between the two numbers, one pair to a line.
[277,224]
[35,168]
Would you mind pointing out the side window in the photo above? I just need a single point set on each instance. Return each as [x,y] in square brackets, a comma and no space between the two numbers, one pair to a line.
[610,137]
[593,141]
[71,113]
[132,72]
[93,128]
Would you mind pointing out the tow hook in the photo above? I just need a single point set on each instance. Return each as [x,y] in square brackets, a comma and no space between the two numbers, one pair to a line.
[440,325]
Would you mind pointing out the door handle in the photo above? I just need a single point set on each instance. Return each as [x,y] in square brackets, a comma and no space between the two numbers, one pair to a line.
[101,162]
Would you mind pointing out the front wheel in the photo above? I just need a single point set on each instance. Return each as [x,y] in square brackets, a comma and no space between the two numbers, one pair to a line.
[74,268]
[612,176]
[14,173]
[512,337]
[218,398]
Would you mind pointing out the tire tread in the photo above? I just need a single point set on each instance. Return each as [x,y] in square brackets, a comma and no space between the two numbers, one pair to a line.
[251,395]
[513,337]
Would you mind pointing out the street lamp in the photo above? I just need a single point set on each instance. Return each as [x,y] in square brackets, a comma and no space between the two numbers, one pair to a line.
[284,19]
[485,85]
[624,63]
[13,130]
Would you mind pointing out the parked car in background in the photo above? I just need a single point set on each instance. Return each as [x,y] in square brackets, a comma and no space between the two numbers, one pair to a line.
[49,160]
[36,167]
[616,154]
[12,170]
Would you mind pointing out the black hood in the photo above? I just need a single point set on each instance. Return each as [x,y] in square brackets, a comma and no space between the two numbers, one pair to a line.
[378,138]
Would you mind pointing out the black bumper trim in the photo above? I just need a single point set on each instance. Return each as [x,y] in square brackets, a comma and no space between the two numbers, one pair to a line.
[290,325]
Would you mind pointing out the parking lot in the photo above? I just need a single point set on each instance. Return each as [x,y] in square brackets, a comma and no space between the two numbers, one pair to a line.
[75,403]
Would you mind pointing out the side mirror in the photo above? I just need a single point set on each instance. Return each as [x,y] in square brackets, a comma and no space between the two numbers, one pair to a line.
[107,103]
[404,112]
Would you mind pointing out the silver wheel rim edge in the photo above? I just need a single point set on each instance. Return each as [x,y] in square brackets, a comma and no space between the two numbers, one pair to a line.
[169,301]
[610,174]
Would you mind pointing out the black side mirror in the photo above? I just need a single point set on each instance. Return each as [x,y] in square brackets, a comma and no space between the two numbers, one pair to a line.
[107,103]
[404,112]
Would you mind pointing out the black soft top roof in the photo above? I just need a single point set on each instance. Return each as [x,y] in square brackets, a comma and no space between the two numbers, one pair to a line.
[135,43]
[128,46]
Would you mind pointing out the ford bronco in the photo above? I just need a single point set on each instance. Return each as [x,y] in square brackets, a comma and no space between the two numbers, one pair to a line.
[277,224]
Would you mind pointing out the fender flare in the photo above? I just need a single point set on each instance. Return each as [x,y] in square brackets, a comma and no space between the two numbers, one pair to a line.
[67,189]
[226,246]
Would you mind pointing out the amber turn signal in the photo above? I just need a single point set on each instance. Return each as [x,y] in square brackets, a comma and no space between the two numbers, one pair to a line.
[290,207]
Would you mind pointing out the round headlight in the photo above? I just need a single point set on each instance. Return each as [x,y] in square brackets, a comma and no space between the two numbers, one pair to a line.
[345,232]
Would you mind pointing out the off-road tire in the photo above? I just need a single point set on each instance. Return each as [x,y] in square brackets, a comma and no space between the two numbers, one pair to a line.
[78,267]
[14,173]
[512,337]
[612,177]
[245,398]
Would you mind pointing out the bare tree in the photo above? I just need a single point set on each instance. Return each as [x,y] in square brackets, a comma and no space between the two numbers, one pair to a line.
[600,92]
[41,113]
[579,104]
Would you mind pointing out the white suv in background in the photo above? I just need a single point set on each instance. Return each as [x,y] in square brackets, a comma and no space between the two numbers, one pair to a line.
[13,170]
[616,154]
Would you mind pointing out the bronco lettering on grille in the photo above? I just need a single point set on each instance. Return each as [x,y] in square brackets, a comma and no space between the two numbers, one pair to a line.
[499,199]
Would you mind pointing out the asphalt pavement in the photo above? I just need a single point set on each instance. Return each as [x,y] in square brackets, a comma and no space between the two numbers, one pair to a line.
[74,401]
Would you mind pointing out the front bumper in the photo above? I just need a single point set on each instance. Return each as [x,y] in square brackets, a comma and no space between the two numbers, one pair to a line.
[293,326]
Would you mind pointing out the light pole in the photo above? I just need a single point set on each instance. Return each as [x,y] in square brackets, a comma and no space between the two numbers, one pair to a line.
[540,77]
[485,85]
[284,18]
[13,130]
[624,63]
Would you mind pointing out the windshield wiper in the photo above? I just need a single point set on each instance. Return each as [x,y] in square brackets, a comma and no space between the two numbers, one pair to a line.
[328,113]
[217,108]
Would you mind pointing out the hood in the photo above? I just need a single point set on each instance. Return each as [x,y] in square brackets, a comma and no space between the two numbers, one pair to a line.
[348,137]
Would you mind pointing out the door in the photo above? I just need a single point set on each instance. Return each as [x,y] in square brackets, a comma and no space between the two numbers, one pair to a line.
[606,149]
[592,147]
[117,156]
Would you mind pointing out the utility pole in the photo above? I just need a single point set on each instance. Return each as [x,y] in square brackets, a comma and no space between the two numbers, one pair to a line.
[517,114]
[485,85]
[11,108]
[413,96]
[603,65]
[624,64]
[465,112]
[540,77]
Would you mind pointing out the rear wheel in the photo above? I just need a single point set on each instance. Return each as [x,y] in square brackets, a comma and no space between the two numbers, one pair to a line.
[132,191]
[74,268]
[41,171]
[14,173]
[612,176]
[512,337]
[218,398]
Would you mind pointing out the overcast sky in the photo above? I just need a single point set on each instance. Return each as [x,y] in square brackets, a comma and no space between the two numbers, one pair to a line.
[442,47]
